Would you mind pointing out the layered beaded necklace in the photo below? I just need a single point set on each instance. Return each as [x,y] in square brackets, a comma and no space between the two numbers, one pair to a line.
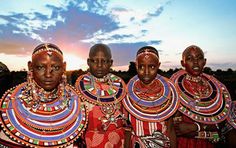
[203,99]
[153,103]
[197,85]
[35,96]
[106,92]
[37,118]
[110,109]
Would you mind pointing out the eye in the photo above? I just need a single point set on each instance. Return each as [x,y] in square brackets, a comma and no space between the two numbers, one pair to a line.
[200,57]
[103,61]
[189,58]
[93,61]
[141,67]
[56,68]
[152,66]
[40,68]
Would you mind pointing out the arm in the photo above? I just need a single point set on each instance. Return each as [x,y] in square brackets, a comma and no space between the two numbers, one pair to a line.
[127,128]
[187,129]
[171,132]
[183,128]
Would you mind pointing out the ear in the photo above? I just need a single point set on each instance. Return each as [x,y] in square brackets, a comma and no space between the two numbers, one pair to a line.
[30,66]
[136,65]
[88,61]
[182,63]
[111,62]
[159,64]
[205,61]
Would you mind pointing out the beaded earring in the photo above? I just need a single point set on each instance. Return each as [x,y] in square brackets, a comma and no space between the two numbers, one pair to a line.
[30,77]
[64,78]
[32,90]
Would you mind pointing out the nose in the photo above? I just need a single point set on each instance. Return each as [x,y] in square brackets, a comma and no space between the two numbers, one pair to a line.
[195,60]
[48,72]
[146,71]
[100,64]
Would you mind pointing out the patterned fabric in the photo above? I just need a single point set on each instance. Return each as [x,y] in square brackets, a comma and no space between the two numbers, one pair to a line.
[145,130]
[184,142]
[232,116]
[103,98]
[50,124]
[149,107]
[207,101]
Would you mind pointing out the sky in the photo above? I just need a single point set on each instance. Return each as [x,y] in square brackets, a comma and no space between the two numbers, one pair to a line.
[124,25]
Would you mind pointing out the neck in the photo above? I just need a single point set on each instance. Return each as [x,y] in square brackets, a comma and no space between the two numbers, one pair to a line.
[103,79]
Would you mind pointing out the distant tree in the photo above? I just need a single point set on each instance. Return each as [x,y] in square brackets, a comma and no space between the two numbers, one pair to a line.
[5,79]
[75,74]
[208,70]
[132,69]
[170,71]
[229,71]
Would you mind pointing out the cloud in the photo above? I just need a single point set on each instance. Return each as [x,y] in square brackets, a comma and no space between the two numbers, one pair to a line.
[70,24]
[74,26]
[156,13]
[126,52]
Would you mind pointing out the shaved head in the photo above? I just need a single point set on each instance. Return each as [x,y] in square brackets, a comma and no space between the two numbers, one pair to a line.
[100,47]
[189,48]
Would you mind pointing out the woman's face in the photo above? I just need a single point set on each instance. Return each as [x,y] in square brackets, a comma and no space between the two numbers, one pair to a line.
[194,61]
[47,69]
[147,66]
[99,64]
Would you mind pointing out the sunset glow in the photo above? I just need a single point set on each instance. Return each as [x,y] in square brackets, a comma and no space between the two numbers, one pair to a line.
[74,26]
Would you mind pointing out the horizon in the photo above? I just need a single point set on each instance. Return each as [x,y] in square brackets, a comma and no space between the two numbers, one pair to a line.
[74,26]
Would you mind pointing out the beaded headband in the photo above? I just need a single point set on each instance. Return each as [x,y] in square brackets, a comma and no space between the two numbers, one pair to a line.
[44,47]
[147,52]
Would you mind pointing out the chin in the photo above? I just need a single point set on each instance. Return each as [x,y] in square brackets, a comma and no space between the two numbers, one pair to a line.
[99,76]
[146,82]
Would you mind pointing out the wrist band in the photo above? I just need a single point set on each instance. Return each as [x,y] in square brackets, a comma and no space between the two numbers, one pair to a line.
[198,126]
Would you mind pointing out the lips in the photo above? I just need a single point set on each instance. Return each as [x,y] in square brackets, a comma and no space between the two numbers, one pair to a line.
[48,82]
[99,72]
[146,79]
[196,68]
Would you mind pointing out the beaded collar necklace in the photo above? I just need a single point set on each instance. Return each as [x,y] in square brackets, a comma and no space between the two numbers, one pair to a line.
[105,79]
[33,94]
[193,79]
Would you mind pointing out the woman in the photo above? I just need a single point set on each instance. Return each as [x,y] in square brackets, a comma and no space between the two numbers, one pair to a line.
[103,93]
[44,111]
[204,102]
[151,103]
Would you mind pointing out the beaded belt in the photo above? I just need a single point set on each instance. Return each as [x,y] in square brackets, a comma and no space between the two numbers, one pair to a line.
[212,136]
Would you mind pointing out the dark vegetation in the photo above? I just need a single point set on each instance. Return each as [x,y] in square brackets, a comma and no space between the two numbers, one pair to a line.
[228,77]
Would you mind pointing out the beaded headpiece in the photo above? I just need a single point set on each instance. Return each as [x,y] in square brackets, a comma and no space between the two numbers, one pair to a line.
[147,52]
[49,47]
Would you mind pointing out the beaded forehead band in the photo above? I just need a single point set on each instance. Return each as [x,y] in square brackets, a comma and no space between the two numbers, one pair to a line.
[48,49]
[147,52]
